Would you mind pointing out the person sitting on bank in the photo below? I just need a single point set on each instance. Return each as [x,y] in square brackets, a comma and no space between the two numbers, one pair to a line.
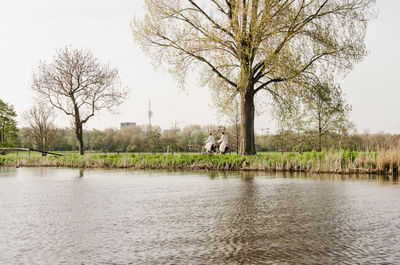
[223,147]
[210,144]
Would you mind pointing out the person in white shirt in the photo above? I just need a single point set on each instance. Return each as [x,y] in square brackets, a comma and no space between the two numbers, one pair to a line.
[210,143]
[223,147]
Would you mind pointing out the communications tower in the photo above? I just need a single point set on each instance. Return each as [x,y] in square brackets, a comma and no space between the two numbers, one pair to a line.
[150,114]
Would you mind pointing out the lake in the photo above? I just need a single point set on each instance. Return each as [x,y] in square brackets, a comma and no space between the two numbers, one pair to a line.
[73,216]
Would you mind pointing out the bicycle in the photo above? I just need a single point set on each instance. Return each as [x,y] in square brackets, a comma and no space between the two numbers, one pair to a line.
[207,150]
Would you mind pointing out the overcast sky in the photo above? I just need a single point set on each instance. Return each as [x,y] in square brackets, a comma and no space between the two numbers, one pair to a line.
[31,31]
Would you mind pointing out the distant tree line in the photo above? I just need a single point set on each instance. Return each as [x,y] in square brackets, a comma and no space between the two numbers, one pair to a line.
[291,141]
[130,139]
[191,138]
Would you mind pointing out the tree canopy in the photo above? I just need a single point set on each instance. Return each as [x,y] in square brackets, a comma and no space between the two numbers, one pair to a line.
[325,108]
[8,125]
[241,47]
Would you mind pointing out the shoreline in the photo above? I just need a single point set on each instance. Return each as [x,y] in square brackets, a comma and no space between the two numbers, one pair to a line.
[326,162]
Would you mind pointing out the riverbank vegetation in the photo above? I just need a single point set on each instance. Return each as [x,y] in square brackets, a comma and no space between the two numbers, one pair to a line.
[341,162]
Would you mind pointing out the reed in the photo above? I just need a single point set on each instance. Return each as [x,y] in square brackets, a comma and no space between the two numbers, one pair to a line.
[330,161]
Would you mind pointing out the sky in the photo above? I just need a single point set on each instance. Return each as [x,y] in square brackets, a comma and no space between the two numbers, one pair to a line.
[31,31]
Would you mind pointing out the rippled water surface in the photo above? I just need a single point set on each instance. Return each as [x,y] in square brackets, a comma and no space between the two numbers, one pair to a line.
[70,216]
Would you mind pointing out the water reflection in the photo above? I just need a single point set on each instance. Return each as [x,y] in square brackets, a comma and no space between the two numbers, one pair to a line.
[6,171]
[244,175]
[249,175]
[81,171]
[242,226]
[77,216]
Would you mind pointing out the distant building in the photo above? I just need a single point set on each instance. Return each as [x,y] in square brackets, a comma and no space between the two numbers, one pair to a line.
[127,124]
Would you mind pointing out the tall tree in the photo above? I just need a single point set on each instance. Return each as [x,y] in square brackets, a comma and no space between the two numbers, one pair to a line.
[76,83]
[247,46]
[325,108]
[8,125]
[40,120]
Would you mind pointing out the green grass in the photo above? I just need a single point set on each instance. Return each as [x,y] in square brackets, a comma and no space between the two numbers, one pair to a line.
[334,161]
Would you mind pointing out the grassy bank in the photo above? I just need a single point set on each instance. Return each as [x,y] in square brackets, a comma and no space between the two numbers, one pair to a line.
[343,162]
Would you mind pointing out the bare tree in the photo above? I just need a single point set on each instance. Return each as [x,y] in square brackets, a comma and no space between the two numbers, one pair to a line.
[246,46]
[40,120]
[77,84]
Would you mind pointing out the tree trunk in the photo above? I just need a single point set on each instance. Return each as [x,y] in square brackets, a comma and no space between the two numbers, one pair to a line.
[79,136]
[247,144]
[237,130]
[319,134]
[78,128]
[319,140]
